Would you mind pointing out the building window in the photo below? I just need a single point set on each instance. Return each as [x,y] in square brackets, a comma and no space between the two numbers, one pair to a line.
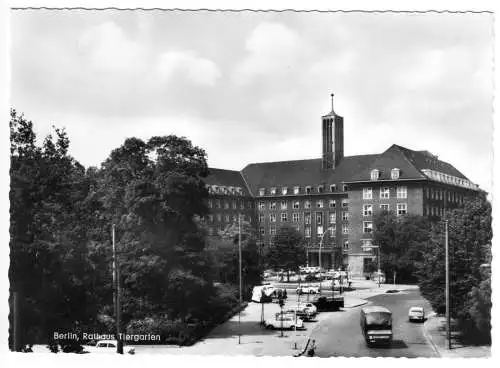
[319,230]
[272,205]
[284,205]
[273,191]
[319,203]
[217,203]
[219,217]
[367,193]
[272,230]
[345,216]
[307,218]
[296,205]
[226,205]
[261,217]
[401,209]
[284,190]
[366,245]
[234,205]
[374,174]
[332,217]
[249,204]
[344,187]
[367,227]
[401,192]
[307,204]
[307,232]
[367,209]
[345,203]
[331,231]
[395,174]
[297,227]
[242,205]
[262,205]
[320,188]
[384,193]
[345,229]
[284,217]
[333,188]
[272,217]
[331,203]
[384,207]
[295,217]
[262,191]
[346,244]
[210,218]
[235,218]
[262,230]
[227,218]
[319,218]
[308,190]
[296,190]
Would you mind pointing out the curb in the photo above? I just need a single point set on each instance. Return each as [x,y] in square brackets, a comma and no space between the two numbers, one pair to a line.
[429,339]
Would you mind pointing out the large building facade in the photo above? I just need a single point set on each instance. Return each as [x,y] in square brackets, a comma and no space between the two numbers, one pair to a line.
[332,200]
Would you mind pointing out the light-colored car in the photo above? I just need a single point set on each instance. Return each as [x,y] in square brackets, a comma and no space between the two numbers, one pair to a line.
[307,290]
[108,347]
[416,314]
[309,308]
[284,321]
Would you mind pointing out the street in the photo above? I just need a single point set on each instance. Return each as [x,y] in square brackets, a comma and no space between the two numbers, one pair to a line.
[340,333]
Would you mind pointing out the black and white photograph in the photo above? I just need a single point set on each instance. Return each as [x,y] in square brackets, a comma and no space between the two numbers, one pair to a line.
[253,183]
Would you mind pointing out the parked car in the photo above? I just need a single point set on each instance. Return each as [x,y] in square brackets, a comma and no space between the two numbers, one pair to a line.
[108,347]
[309,307]
[284,321]
[307,290]
[329,303]
[416,314]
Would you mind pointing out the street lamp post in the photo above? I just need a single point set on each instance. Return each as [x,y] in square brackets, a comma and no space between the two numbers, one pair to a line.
[447,291]
[241,292]
[319,257]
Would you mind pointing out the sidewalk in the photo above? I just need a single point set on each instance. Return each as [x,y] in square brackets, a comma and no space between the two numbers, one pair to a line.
[435,330]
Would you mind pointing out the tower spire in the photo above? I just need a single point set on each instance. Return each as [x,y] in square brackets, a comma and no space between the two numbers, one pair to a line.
[331,95]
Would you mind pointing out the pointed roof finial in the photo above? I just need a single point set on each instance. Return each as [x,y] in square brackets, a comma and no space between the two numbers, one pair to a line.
[331,95]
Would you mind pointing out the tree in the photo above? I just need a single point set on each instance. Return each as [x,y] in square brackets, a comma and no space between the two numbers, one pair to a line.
[400,240]
[288,252]
[470,236]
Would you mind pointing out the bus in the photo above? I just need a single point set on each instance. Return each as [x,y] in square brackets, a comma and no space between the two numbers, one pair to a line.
[376,325]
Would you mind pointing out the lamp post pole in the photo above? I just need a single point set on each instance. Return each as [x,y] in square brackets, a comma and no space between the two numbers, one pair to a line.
[319,256]
[447,291]
[116,279]
[241,291]
[378,271]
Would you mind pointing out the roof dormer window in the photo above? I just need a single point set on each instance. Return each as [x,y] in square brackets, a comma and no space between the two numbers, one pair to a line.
[284,190]
[216,189]
[308,190]
[321,188]
[262,191]
[333,188]
[374,174]
[395,174]
[273,191]
[296,190]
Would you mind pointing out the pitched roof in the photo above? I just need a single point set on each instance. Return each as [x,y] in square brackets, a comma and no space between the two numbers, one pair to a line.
[228,178]
[302,172]
[409,162]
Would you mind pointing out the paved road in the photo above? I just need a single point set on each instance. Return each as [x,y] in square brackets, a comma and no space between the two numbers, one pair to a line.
[340,333]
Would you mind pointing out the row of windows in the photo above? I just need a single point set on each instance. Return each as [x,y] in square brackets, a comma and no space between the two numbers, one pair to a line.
[401,209]
[441,194]
[320,203]
[219,189]
[375,174]
[217,203]
[227,218]
[385,192]
[298,190]
[308,230]
[296,216]
[434,211]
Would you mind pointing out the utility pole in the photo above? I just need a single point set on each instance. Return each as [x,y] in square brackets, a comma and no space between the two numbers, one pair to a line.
[241,291]
[116,284]
[447,261]
[378,271]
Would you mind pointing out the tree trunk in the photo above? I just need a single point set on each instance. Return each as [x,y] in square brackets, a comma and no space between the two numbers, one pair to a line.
[287,275]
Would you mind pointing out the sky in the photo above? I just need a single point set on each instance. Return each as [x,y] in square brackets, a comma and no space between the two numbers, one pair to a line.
[252,87]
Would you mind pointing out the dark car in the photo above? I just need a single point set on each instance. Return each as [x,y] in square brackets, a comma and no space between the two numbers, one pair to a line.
[329,303]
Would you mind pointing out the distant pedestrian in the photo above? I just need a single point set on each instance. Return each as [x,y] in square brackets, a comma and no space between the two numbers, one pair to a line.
[284,294]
